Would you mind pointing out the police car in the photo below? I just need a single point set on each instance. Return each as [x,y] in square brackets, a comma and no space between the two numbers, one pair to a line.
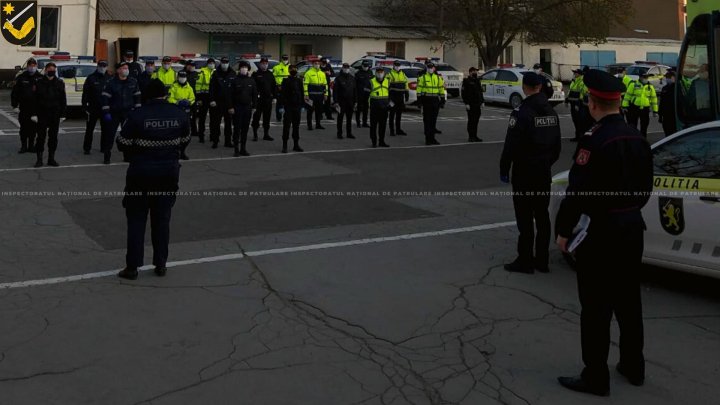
[73,71]
[253,59]
[504,85]
[379,58]
[655,72]
[198,59]
[177,63]
[683,214]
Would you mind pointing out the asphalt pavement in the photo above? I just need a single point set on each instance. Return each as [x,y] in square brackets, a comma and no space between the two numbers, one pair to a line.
[340,275]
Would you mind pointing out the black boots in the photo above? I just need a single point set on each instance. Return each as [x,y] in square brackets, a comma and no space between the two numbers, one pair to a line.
[255,135]
[267,136]
[51,159]
[129,273]
[106,159]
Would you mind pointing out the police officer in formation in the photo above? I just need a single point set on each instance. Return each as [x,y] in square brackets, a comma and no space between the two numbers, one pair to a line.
[362,84]
[431,93]
[472,97]
[23,100]
[329,74]
[51,103]
[219,97]
[610,182]
[166,73]
[532,146]
[575,100]
[267,90]
[399,94]
[145,77]
[666,107]
[91,101]
[182,94]
[202,97]
[293,99]
[639,100]
[344,96]
[133,67]
[316,92]
[280,71]
[242,99]
[379,107]
[120,96]
[192,76]
[151,140]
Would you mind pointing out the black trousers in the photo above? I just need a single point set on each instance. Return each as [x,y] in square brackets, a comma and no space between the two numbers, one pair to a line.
[109,131]
[264,110]
[346,110]
[430,111]
[533,221]
[577,118]
[316,109]
[473,120]
[28,129]
[137,208]
[642,115]
[586,120]
[91,119]
[291,119]
[669,126]
[241,120]
[608,276]
[48,128]
[217,114]
[278,106]
[396,111]
[202,106]
[363,105]
[378,121]
[327,107]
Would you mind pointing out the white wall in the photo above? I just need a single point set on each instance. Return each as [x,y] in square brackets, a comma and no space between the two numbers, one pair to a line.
[77,32]
[156,39]
[354,48]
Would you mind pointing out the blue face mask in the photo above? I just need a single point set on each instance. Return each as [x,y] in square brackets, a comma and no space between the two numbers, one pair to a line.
[32,69]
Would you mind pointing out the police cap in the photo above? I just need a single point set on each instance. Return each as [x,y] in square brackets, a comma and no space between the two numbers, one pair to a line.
[537,66]
[396,63]
[578,71]
[603,85]
[49,64]
[346,65]
[285,57]
[189,63]
[31,61]
[155,89]
[121,64]
[224,59]
[263,59]
[129,53]
[102,63]
[430,64]
[379,69]
[182,73]
[149,62]
[241,64]
[531,79]
[473,69]
[211,60]
[166,59]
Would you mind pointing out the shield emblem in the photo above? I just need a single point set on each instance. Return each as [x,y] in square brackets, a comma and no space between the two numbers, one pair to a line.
[19,21]
[583,157]
[671,215]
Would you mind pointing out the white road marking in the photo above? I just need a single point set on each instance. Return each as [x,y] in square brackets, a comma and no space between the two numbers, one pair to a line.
[9,118]
[237,256]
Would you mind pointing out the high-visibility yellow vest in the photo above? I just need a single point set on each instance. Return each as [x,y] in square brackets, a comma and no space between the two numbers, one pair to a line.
[315,83]
[166,76]
[398,81]
[627,81]
[576,89]
[430,84]
[641,96]
[281,71]
[203,81]
[179,92]
[379,90]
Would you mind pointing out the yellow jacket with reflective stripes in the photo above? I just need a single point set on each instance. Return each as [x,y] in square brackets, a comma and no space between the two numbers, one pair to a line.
[315,83]
[179,92]
[577,88]
[379,90]
[641,95]
[430,84]
[627,81]
[165,76]
[398,81]
[203,81]
[281,71]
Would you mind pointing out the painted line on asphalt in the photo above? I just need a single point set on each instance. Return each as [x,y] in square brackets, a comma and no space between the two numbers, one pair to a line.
[9,118]
[237,256]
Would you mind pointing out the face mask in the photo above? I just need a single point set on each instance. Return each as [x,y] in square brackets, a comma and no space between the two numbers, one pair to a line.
[123,73]
[50,73]
[380,76]
[263,66]
[224,66]
[243,71]
[621,75]
[32,69]
[128,60]
[365,68]
[191,69]
[346,70]
[166,66]
[182,80]
[473,74]
[538,71]
[102,70]
[670,80]
[396,68]
[285,61]
[431,70]
[316,66]
[150,69]
[211,66]
[293,73]
[644,81]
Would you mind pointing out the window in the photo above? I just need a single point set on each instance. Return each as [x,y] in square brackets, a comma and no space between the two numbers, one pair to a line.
[394,48]
[48,29]
[491,75]
[693,97]
[654,71]
[506,76]
[508,55]
[694,155]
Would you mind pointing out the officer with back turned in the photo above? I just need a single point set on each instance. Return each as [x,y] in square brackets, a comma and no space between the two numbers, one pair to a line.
[532,146]
[610,182]
[151,140]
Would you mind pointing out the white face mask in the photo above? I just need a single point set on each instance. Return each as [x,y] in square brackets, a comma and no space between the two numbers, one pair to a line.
[32,69]
[123,72]
[182,80]
[224,66]
[191,69]
[380,76]
[211,66]
[346,70]
[263,66]
[102,70]
[671,80]
[150,68]
[644,81]
[128,60]
[365,68]
[244,71]
[538,71]
[396,68]
[166,66]
[316,66]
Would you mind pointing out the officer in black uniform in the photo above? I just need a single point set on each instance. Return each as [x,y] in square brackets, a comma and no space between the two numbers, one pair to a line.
[120,96]
[134,67]
[292,99]
[267,91]
[242,99]
[327,103]
[151,140]
[472,96]
[22,99]
[51,103]
[145,77]
[192,75]
[586,120]
[344,95]
[532,146]
[547,88]
[92,101]
[219,95]
[610,182]
[667,105]
[362,83]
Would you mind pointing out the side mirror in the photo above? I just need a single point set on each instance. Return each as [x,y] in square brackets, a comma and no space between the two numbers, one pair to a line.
[18,67]
[68,74]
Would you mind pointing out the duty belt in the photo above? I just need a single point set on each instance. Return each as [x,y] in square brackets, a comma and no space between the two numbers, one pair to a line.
[316,89]
[398,86]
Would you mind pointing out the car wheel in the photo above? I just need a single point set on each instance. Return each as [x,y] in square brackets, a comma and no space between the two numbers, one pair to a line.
[515,100]
[569,259]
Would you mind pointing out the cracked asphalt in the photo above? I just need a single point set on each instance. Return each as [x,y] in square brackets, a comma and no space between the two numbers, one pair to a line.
[387,290]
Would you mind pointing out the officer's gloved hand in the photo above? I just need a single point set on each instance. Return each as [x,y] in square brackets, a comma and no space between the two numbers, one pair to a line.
[107,117]
[184,103]
[231,111]
[34,118]
[467,107]
[199,103]
[16,109]
[505,179]
[213,104]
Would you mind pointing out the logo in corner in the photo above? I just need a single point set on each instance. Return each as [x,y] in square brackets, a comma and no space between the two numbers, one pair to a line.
[17,21]
[583,157]
[671,215]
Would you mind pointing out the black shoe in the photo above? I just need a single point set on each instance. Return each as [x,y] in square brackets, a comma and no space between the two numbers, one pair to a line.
[474,139]
[268,138]
[384,145]
[580,385]
[518,267]
[542,269]
[374,145]
[229,145]
[237,154]
[310,128]
[319,127]
[358,125]
[183,156]
[38,163]
[339,136]
[634,380]
[255,139]
[201,140]
[23,150]
[129,273]
[297,148]
[434,142]
[243,152]
[214,145]
[400,132]
[350,136]
[160,271]
[52,162]
[437,131]
[86,152]
[284,149]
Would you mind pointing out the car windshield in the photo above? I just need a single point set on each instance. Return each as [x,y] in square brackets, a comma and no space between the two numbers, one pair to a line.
[637,70]
[80,70]
[445,68]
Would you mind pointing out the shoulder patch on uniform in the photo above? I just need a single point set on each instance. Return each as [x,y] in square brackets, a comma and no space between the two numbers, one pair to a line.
[583,157]
[512,122]
[546,121]
[592,130]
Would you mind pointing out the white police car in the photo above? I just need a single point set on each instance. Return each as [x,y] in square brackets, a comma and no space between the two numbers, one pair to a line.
[379,58]
[253,59]
[683,214]
[504,85]
[656,73]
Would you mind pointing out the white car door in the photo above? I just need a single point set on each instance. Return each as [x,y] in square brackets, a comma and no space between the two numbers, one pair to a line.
[488,85]
[683,215]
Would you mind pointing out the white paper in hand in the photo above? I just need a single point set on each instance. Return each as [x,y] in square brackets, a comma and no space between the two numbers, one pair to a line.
[579,233]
